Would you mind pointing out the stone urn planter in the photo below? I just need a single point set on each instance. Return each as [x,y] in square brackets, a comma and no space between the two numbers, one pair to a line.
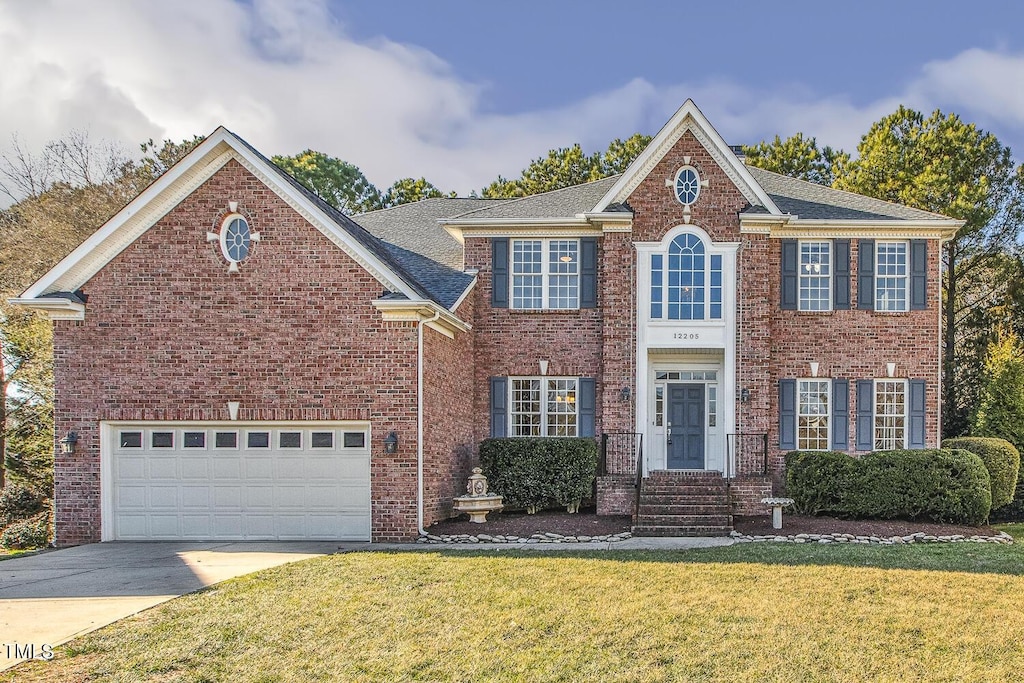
[477,502]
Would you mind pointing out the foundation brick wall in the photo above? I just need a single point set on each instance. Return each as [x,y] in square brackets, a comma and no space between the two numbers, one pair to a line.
[616,494]
[169,334]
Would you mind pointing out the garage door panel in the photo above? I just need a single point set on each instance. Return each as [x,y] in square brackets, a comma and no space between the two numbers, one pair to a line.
[193,484]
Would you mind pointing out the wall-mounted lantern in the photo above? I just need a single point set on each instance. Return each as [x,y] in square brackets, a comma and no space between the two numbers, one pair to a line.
[745,395]
[68,443]
[391,443]
[624,394]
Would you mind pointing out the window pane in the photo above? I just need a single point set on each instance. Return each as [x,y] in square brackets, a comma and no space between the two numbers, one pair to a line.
[890,414]
[686,278]
[716,287]
[527,274]
[891,276]
[563,267]
[561,408]
[130,439]
[815,276]
[526,408]
[195,440]
[162,439]
[289,440]
[322,439]
[225,440]
[812,415]
[354,440]
[258,440]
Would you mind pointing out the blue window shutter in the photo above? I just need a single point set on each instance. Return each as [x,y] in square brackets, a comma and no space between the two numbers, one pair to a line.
[918,275]
[866,275]
[787,414]
[841,275]
[588,406]
[917,410]
[790,274]
[840,414]
[499,272]
[588,272]
[499,407]
[865,415]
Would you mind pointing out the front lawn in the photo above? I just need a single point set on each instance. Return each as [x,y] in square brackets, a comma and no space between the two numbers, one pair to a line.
[766,612]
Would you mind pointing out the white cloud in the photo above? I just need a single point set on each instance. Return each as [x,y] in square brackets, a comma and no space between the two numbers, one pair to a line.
[286,76]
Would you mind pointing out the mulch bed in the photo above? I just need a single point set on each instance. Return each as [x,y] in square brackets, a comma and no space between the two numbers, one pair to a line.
[584,523]
[587,523]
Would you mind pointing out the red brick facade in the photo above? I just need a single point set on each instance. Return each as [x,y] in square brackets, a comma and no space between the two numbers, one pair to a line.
[170,334]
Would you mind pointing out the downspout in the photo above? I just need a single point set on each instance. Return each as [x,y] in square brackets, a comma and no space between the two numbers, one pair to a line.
[419,421]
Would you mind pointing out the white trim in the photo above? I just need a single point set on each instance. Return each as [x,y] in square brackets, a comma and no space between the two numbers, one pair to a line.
[462,297]
[419,420]
[800,275]
[906,278]
[543,401]
[419,310]
[874,410]
[545,274]
[54,308]
[688,118]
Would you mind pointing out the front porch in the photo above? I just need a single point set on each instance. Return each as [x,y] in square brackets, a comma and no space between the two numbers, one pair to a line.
[682,502]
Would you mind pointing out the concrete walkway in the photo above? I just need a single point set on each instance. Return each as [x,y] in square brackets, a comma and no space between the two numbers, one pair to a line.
[52,597]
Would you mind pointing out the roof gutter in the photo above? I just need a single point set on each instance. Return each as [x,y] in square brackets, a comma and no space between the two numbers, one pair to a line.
[419,420]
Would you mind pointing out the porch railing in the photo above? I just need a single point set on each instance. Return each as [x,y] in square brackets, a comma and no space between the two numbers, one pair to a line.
[620,453]
[747,455]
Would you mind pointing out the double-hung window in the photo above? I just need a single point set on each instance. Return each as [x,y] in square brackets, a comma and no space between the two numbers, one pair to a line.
[813,410]
[890,426]
[815,276]
[891,276]
[546,274]
[543,406]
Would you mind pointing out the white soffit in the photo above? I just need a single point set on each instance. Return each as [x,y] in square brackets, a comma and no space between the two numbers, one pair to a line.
[688,118]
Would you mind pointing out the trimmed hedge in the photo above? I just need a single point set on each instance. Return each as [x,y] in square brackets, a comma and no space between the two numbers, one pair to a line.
[537,472]
[948,485]
[1002,460]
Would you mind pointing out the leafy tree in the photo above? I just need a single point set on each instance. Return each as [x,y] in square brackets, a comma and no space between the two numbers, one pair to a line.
[408,190]
[568,166]
[1000,410]
[26,416]
[940,163]
[337,182]
[798,157]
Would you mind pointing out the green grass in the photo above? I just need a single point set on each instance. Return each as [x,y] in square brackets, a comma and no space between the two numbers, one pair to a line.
[764,612]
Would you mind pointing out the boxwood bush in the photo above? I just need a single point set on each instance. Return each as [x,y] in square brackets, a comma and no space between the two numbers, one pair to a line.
[1002,460]
[537,472]
[948,485]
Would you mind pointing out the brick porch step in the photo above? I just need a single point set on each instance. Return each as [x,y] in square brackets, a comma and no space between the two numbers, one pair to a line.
[683,504]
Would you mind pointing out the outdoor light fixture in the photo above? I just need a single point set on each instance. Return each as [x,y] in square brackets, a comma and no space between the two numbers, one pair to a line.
[67,444]
[624,394]
[745,395]
[391,443]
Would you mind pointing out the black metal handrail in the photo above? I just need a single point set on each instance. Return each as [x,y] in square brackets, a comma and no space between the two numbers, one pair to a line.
[747,455]
[619,452]
[639,477]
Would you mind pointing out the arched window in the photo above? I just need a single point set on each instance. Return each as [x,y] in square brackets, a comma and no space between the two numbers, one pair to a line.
[690,288]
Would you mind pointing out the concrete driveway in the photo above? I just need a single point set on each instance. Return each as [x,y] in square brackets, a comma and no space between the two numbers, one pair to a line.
[49,598]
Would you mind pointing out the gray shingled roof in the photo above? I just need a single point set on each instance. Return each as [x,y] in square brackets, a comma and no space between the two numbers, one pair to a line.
[810,200]
[564,203]
[413,237]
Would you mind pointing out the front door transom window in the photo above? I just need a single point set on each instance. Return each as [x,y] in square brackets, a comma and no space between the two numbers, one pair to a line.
[236,239]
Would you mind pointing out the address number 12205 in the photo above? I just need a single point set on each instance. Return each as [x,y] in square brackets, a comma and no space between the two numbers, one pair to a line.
[686,335]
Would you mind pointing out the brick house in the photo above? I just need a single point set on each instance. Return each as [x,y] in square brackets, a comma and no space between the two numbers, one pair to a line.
[240,361]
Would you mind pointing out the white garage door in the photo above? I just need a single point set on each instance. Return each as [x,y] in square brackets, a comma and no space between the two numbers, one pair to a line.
[237,481]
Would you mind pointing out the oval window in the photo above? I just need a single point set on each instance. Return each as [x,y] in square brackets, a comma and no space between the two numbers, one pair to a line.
[235,238]
[687,185]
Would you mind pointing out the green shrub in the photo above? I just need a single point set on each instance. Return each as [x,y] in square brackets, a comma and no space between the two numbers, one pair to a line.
[538,472]
[818,480]
[937,485]
[1002,460]
[25,534]
[18,502]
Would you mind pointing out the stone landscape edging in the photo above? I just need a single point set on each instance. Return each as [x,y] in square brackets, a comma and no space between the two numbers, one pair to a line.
[549,537]
[919,537]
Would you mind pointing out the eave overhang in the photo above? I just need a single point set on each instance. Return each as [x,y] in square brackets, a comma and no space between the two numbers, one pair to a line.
[436,317]
[54,308]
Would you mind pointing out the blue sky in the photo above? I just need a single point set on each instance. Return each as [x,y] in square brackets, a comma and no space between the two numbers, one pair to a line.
[462,91]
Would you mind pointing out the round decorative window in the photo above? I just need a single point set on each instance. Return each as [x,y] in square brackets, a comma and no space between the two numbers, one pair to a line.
[687,185]
[235,239]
